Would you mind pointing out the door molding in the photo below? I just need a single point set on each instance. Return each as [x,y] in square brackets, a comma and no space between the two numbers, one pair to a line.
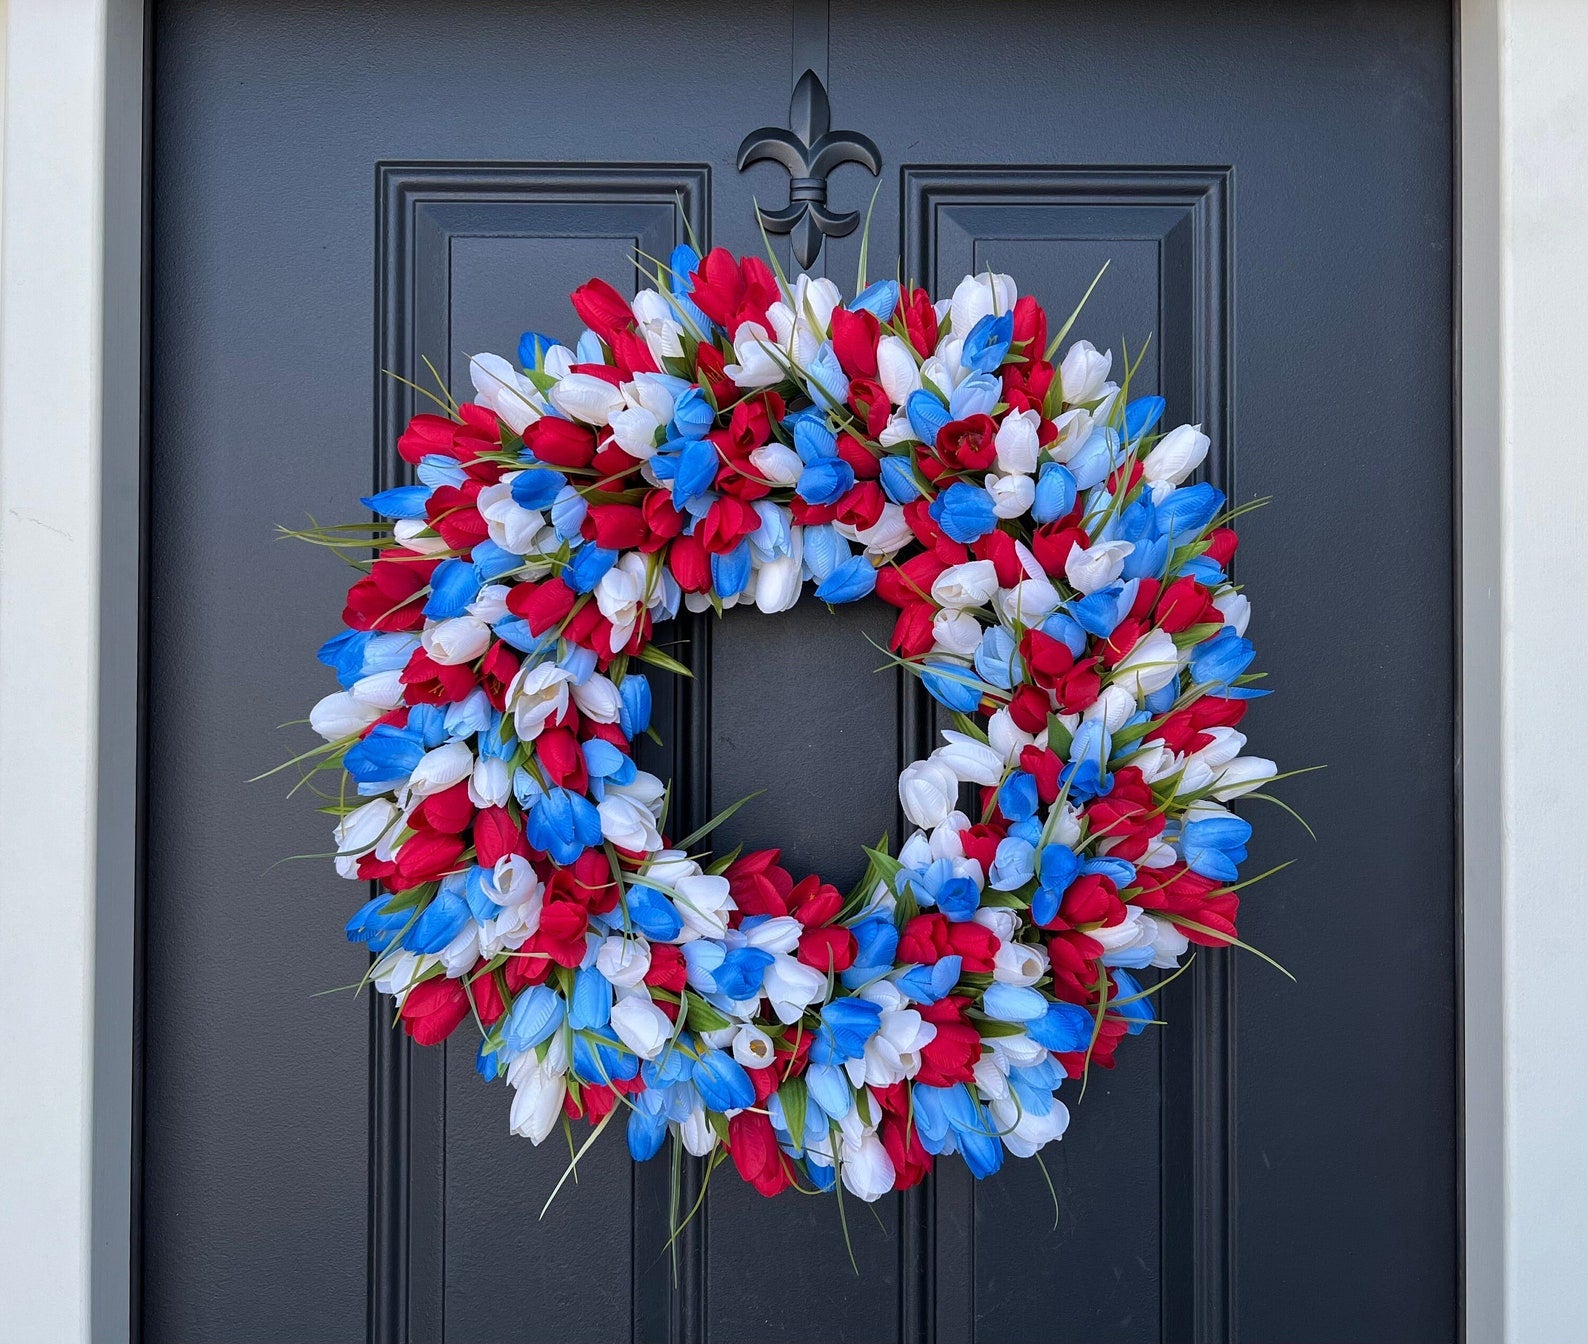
[73,229]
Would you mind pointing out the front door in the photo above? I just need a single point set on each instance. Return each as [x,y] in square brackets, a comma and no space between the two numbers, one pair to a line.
[341,189]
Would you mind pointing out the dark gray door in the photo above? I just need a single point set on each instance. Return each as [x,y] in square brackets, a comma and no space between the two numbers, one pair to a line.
[344,187]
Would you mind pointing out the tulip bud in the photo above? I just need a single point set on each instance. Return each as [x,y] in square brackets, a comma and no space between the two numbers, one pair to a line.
[1176,455]
[928,790]
[1083,373]
[641,1025]
[341,715]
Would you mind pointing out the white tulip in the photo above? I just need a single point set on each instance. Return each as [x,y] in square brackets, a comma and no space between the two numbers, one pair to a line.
[889,534]
[1097,566]
[867,1169]
[460,955]
[501,388]
[383,690]
[777,463]
[1024,1131]
[1242,775]
[1169,944]
[1084,372]
[698,1135]
[536,695]
[491,785]
[752,1047]
[620,596]
[1111,708]
[979,296]
[704,902]
[1176,455]
[641,1025]
[598,699]
[398,971]
[1235,608]
[627,824]
[971,761]
[586,398]
[928,790]
[511,526]
[1020,963]
[1012,496]
[755,358]
[956,632]
[360,831]
[1029,602]
[341,714]
[791,987]
[415,535]
[1075,428]
[896,431]
[1016,442]
[460,639]
[778,584]
[1150,666]
[440,769]
[1005,737]
[971,584]
[897,369]
[1226,745]
[623,961]
[537,1098]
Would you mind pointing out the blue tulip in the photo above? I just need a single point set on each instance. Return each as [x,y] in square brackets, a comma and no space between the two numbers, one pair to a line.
[535,1014]
[825,481]
[898,479]
[634,711]
[1057,867]
[853,579]
[928,984]
[1067,631]
[403,501]
[1218,661]
[532,348]
[880,299]
[480,892]
[604,761]
[1013,865]
[537,487]
[927,415]
[1098,613]
[959,898]
[1186,511]
[825,379]
[829,1089]
[429,724]
[1086,773]
[588,567]
[1063,1028]
[876,941]
[1213,846]
[1141,415]
[568,512]
[1138,1012]
[825,550]
[977,395]
[492,560]
[373,924]
[514,630]
[813,437]
[953,685]
[987,343]
[846,1026]
[1017,797]
[469,716]
[651,913]
[965,512]
[384,758]
[731,572]
[693,415]
[564,825]
[1056,493]
[1012,1003]
[696,470]
[1095,458]
[722,1082]
[489,1064]
[996,661]
[434,470]
[742,972]
[590,1007]
[645,1132]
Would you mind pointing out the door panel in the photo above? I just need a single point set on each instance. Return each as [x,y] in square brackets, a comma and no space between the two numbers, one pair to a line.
[1270,186]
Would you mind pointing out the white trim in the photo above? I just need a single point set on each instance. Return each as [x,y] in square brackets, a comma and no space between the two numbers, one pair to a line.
[70,246]
[1543,352]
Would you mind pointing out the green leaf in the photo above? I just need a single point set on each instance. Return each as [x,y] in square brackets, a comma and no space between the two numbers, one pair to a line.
[701,1016]
[1059,737]
[794,1097]
[656,658]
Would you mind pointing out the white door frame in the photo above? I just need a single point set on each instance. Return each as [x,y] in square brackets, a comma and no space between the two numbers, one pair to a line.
[71,378]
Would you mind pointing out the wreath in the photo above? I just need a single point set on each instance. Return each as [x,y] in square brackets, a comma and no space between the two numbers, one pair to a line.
[723,440]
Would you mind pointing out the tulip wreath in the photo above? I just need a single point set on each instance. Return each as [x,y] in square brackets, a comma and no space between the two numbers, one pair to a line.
[724,439]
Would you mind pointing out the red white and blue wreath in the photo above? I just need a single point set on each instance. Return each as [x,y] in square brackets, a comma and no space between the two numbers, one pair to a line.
[724,440]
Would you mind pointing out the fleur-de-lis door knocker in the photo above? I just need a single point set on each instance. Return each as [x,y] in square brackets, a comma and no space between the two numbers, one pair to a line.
[809,150]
